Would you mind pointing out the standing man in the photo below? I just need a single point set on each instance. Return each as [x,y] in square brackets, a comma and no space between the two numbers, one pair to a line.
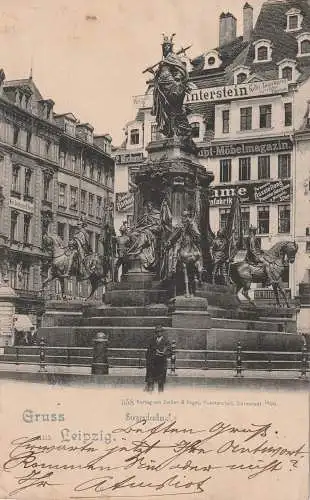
[158,351]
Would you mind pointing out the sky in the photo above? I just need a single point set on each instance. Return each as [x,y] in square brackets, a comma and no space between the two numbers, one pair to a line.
[88,55]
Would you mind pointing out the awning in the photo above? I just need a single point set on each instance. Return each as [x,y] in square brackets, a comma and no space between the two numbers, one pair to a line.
[23,323]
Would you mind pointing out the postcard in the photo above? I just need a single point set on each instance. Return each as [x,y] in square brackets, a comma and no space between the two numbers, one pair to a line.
[154,249]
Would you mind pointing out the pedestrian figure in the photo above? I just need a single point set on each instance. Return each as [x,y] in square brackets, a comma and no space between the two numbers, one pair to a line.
[158,351]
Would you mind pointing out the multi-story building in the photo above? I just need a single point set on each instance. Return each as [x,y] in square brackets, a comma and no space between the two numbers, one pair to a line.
[249,116]
[85,184]
[52,170]
[29,142]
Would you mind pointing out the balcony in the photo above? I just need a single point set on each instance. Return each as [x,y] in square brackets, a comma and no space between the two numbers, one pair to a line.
[28,197]
[15,194]
[47,204]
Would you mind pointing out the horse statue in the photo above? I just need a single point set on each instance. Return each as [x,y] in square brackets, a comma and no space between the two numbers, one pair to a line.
[94,267]
[268,269]
[183,250]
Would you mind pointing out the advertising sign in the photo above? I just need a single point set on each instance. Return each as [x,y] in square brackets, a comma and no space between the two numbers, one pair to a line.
[260,192]
[25,206]
[246,148]
[124,201]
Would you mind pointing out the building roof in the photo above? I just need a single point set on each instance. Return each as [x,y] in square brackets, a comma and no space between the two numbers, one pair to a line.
[23,82]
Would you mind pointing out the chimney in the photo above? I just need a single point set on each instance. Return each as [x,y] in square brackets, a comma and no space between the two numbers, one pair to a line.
[228,28]
[247,22]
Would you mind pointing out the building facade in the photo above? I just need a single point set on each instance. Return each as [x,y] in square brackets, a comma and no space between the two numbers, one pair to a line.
[249,117]
[52,170]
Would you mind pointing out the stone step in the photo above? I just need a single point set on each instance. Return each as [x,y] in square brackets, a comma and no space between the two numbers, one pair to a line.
[133,285]
[126,321]
[223,339]
[278,325]
[108,310]
[136,297]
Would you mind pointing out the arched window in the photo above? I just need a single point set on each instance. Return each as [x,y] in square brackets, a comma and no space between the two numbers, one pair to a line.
[262,53]
[305,47]
[195,129]
[241,77]
[287,73]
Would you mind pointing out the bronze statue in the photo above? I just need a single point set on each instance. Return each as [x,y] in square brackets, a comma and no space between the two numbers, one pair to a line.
[121,250]
[183,249]
[263,266]
[79,248]
[219,256]
[171,83]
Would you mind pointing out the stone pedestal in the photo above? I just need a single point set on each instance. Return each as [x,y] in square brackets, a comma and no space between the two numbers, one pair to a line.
[7,313]
[190,313]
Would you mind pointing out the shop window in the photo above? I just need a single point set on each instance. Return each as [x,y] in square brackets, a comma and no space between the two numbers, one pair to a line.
[224,213]
[134,136]
[263,167]
[27,223]
[284,217]
[265,116]
[195,126]
[263,219]
[225,170]
[288,114]
[245,219]
[62,195]
[284,166]
[246,118]
[225,121]
[244,169]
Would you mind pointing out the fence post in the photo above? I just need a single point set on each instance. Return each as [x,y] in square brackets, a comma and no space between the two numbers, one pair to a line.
[100,363]
[304,361]
[42,353]
[173,357]
[239,360]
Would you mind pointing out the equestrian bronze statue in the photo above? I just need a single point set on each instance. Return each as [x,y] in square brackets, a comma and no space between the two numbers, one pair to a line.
[263,266]
[75,260]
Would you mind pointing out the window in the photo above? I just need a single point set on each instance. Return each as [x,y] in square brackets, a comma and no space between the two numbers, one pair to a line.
[28,140]
[62,159]
[288,114]
[27,222]
[46,186]
[155,134]
[16,131]
[284,217]
[225,121]
[97,240]
[91,171]
[62,195]
[305,47]
[195,126]
[263,217]
[73,197]
[245,219]
[263,167]
[246,118]
[83,201]
[284,166]
[241,77]
[71,232]
[84,167]
[287,72]
[61,230]
[292,22]
[13,228]
[308,246]
[27,186]
[98,206]
[265,116]
[16,178]
[47,147]
[225,170]
[244,169]
[73,163]
[99,174]
[134,136]
[224,213]
[91,204]
[262,53]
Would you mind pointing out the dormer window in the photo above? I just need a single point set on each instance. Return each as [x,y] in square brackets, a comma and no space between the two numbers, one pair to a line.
[241,74]
[287,70]
[293,20]
[263,51]
[303,44]
[134,136]
[212,60]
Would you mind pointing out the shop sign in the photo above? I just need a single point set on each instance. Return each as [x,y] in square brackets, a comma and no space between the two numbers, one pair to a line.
[124,201]
[262,192]
[25,206]
[125,158]
[246,148]
[238,91]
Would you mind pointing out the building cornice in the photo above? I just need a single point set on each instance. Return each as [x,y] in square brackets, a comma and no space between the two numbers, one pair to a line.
[8,148]
[86,145]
